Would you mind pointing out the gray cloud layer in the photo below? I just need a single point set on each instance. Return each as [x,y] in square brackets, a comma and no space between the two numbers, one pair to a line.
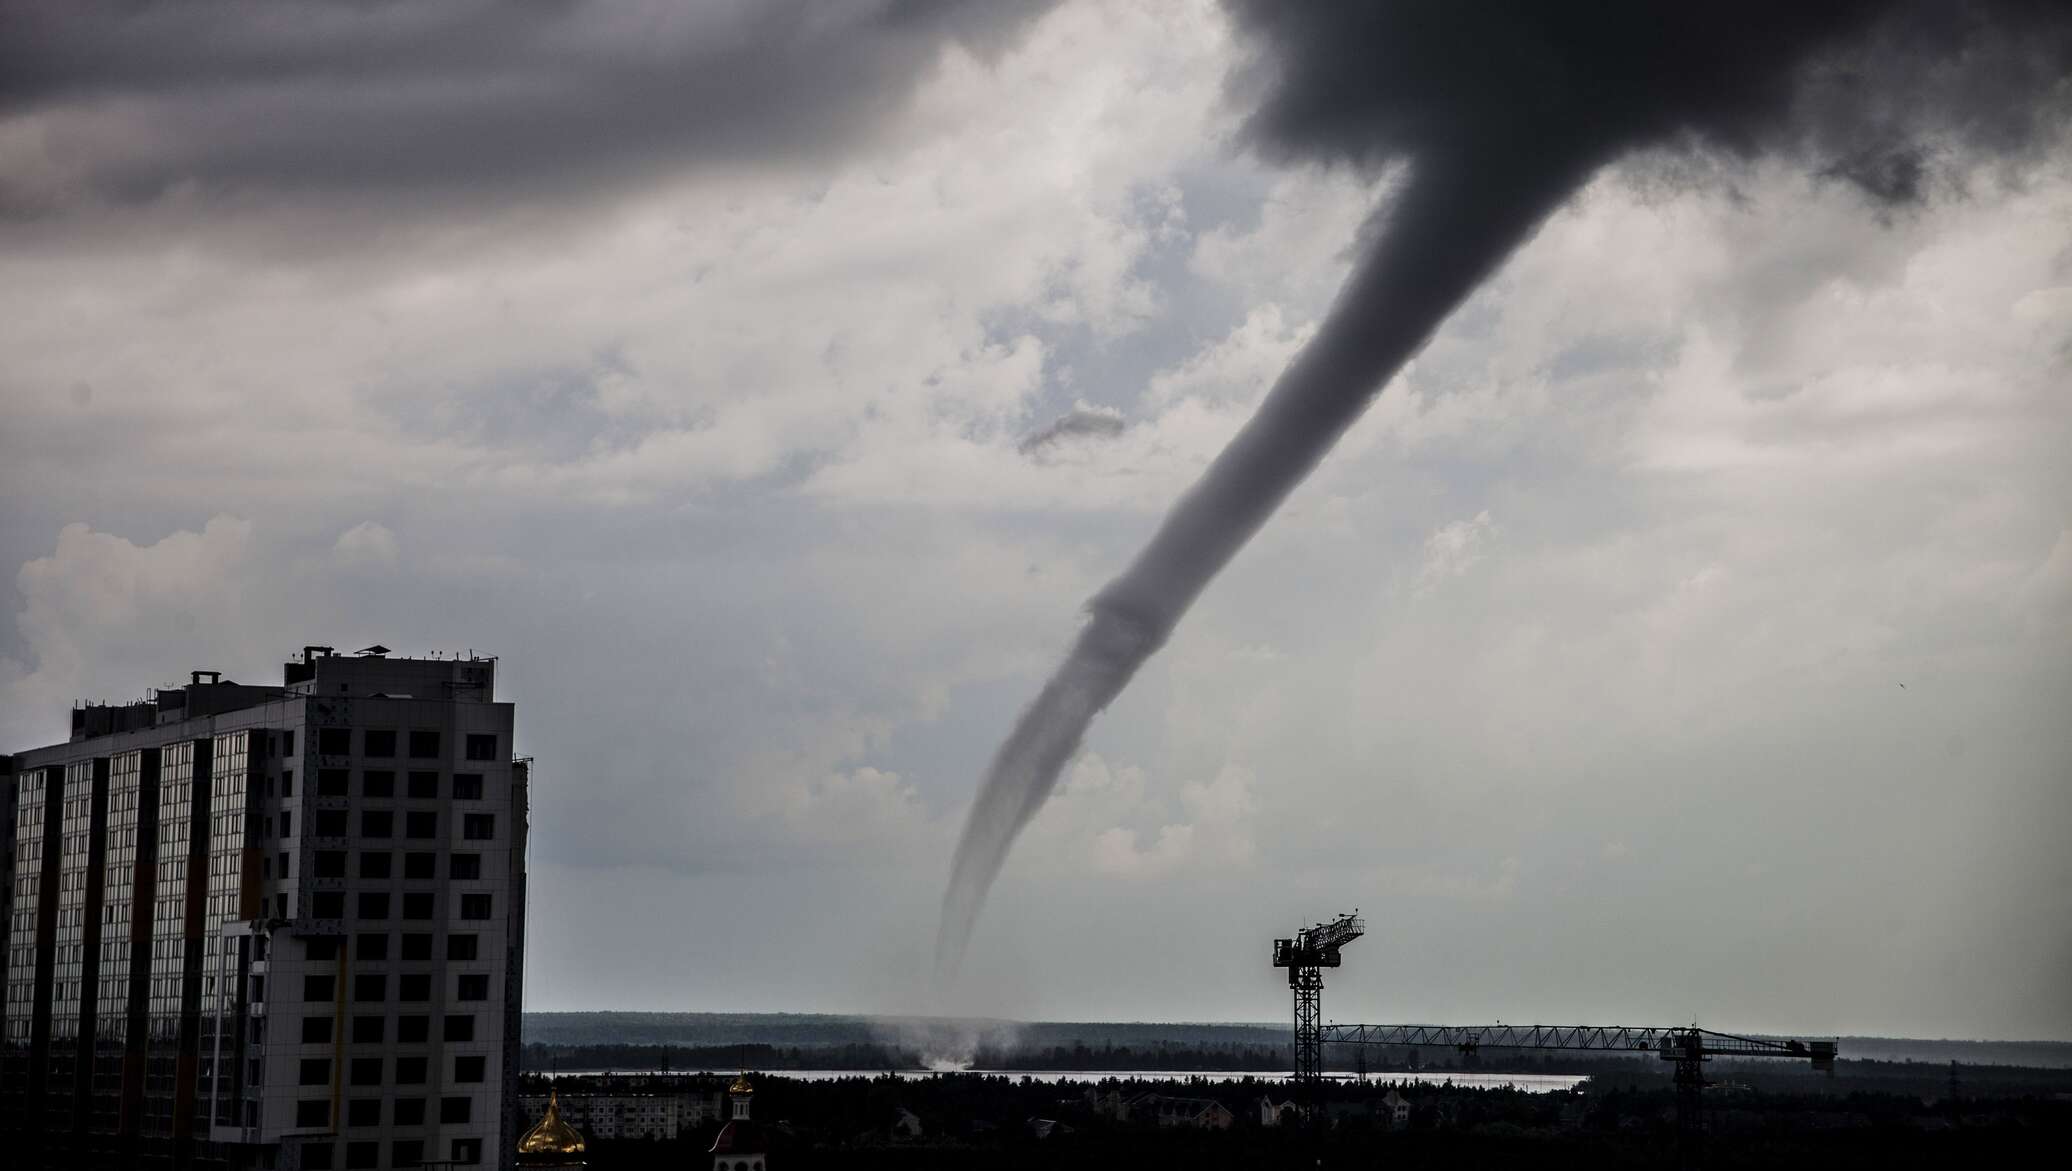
[478,102]
[1079,422]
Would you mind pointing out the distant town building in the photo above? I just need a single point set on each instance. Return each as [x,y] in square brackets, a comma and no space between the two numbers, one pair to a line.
[740,1145]
[614,1106]
[551,1142]
[1395,1109]
[1108,1105]
[1272,1113]
[1043,1128]
[269,926]
[1165,1110]
[1391,1110]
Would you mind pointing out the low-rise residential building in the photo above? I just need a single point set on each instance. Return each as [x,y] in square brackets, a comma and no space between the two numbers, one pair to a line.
[612,1106]
[1165,1110]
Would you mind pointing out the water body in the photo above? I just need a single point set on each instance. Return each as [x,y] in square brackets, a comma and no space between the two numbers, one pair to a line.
[1533,1083]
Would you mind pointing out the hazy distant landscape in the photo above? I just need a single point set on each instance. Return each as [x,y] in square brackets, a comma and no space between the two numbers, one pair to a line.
[629,1040]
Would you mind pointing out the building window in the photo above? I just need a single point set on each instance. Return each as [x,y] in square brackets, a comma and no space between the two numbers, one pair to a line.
[332,782]
[378,742]
[320,947]
[327,904]
[413,1030]
[287,782]
[366,1071]
[374,864]
[468,1070]
[370,947]
[467,786]
[460,1026]
[408,1111]
[370,987]
[330,823]
[455,1110]
[420,865]
[287,823]
[367,1030]
[313,1112]
[362,1154]
[473,986]
[377,783]
[316,1030]
[465,866]
[316,1071]
[475,906]
[406,1152]
[410,1071]
[461,947]
[374,904]
[421,824]
[481,746]
[334,741]
[478,827]
[467,1152]
[417,946]
[318,988]
[288,742]
[363,1112]
[424,786]
[414,986]
[330,864]
[377,823]
[424,743]
[417,905]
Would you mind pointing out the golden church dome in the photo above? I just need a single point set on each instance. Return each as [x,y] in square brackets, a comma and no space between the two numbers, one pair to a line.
[740,1086]
[551,1136]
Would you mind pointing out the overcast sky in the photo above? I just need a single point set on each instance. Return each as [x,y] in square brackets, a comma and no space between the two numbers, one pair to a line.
[1686,634]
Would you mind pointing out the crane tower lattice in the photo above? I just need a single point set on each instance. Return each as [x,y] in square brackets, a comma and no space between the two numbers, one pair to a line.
[1306,955]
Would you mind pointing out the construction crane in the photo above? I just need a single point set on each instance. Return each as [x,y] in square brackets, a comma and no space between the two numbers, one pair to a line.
[1689,1046]
[1316,947]
[1305,956]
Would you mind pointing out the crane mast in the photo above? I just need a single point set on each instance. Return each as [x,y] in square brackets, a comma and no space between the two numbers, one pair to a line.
[1306,954]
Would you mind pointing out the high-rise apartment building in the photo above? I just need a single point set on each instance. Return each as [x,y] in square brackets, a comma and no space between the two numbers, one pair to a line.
[268,926]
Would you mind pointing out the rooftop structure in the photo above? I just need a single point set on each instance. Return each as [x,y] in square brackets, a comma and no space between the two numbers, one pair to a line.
[740,1145]
[551,1142]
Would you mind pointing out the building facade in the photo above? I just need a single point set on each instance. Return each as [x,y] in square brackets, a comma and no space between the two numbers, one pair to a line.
[616,1106]
[269,926]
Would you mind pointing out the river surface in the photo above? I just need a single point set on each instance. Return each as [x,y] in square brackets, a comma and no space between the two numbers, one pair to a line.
[1537,1083]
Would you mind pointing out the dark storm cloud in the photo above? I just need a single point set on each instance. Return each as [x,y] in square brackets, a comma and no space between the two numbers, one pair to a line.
[1894,176]
[484,98]
[1501,111]
[1857,87]
[1079,422]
